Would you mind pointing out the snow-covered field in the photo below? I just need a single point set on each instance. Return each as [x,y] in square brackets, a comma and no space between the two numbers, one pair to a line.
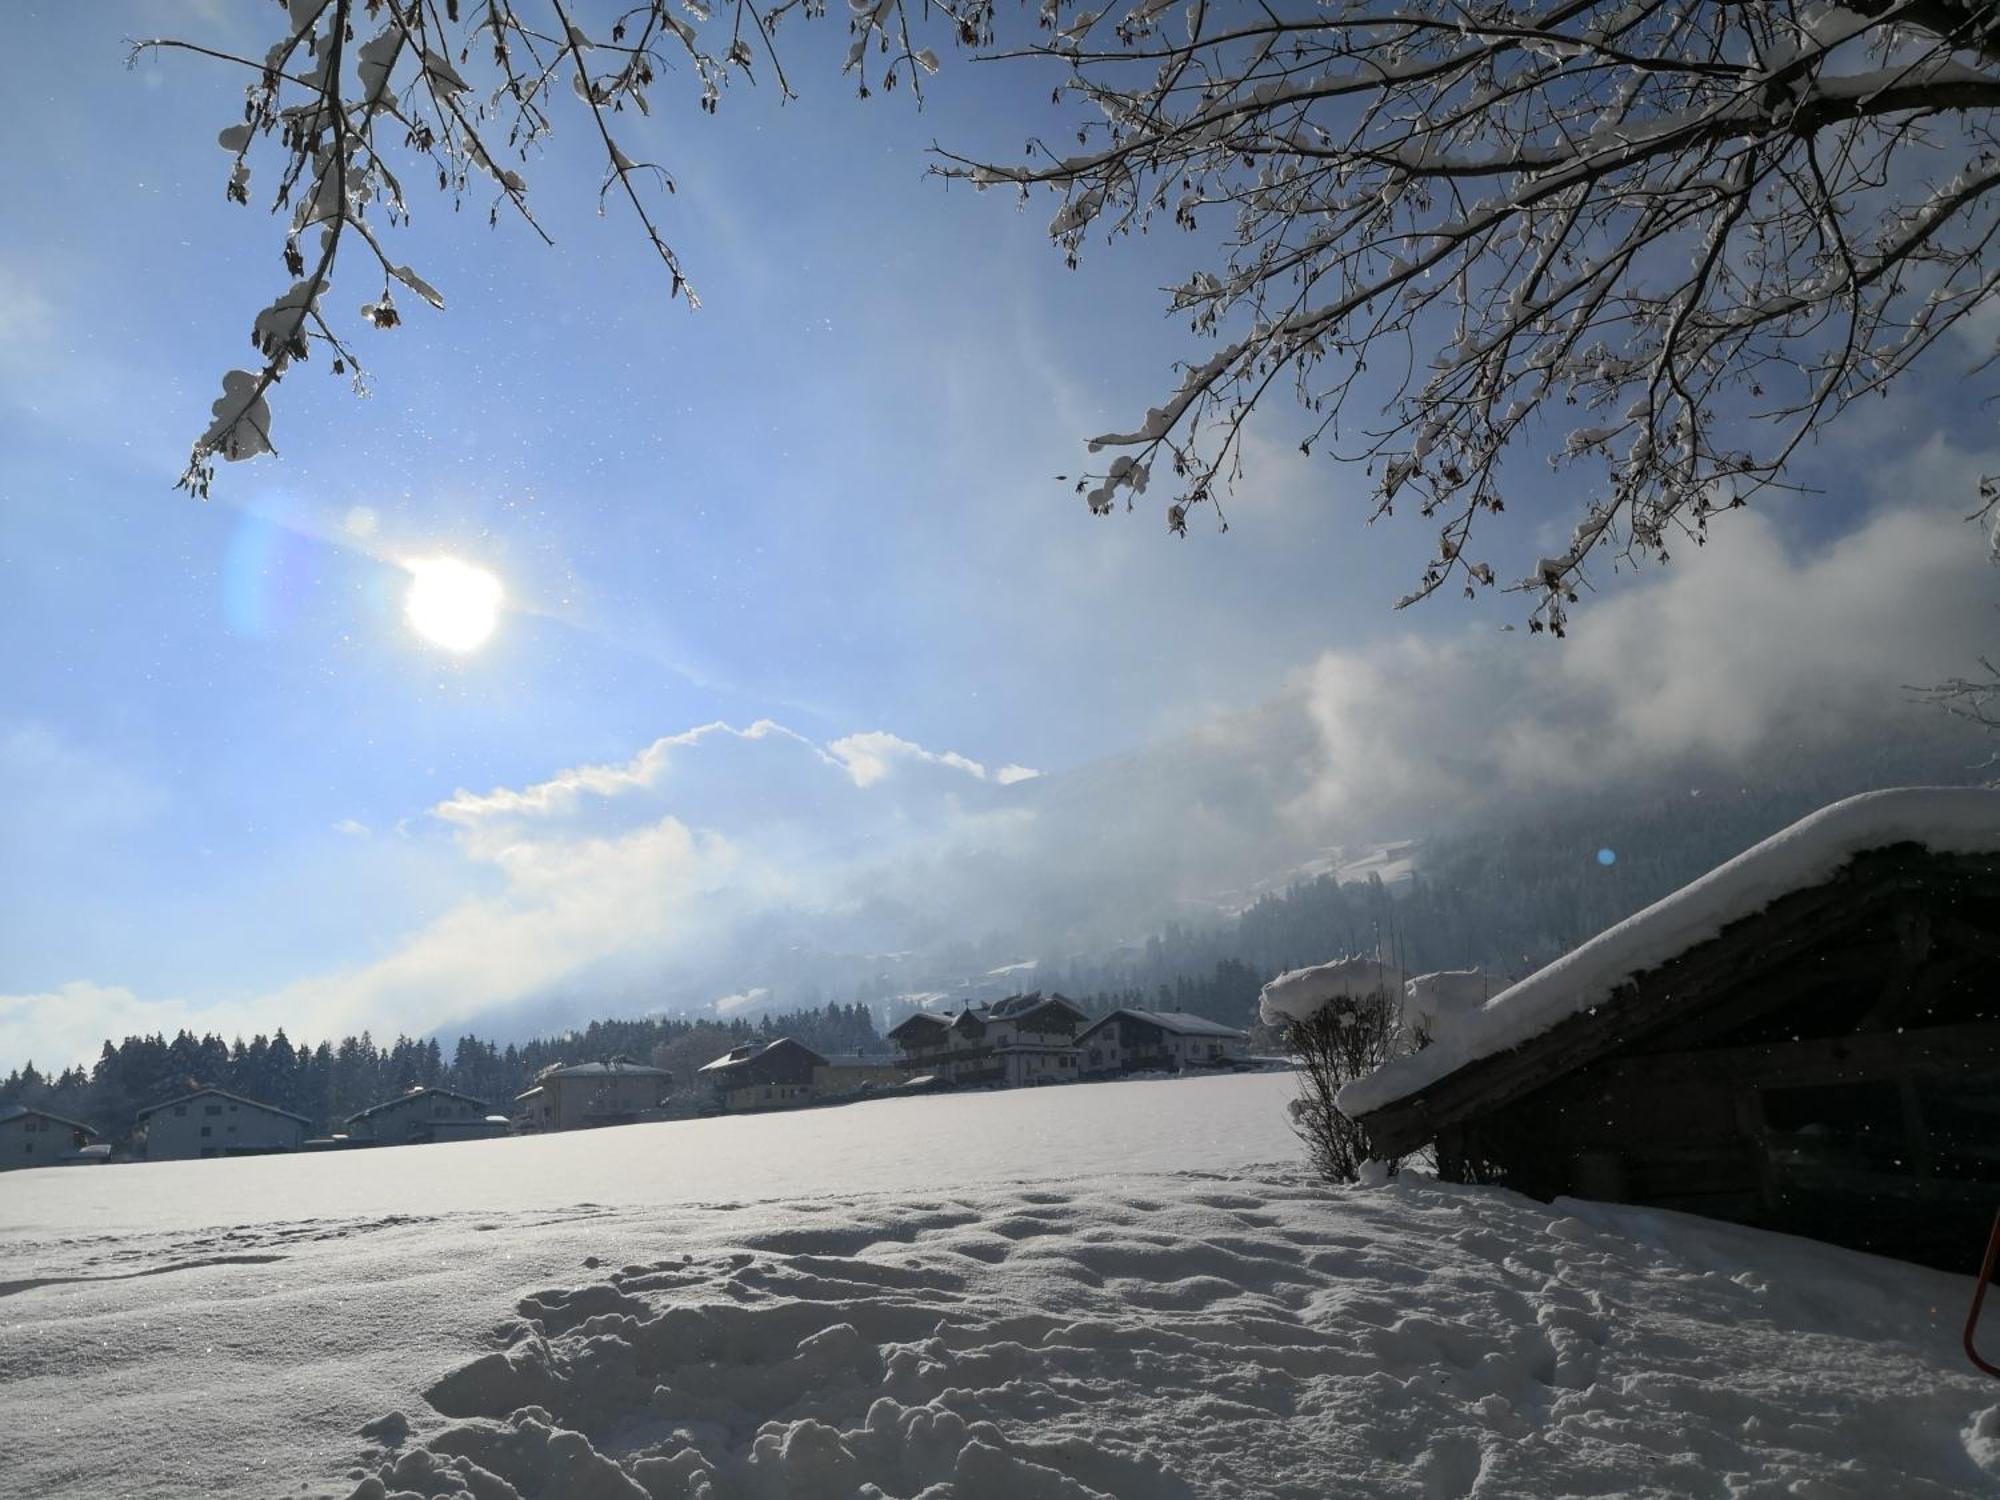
[1119,1289]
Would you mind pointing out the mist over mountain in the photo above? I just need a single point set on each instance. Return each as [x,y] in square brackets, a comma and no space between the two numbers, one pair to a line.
[1506,889]
[751,867]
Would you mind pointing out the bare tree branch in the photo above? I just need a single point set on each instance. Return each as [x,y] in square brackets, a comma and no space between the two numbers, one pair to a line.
[1666,240]
[1673,238]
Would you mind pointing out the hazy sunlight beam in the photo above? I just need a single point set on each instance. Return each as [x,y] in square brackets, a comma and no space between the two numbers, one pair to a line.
[451,603]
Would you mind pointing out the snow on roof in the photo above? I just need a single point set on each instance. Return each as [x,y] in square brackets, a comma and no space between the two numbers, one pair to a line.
[623,1066]
[1192,1025]
[733,1055]
[1433,1002]
[1180,1022]
[749,1052]
[1946,820]
[1021,1005]
[1300,994]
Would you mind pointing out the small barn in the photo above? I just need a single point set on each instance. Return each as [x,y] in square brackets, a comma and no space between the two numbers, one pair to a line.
[1807,1039]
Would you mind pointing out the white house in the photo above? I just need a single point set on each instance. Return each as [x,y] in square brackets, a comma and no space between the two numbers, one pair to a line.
[214,1122]
[35,1138]
[1170,1041]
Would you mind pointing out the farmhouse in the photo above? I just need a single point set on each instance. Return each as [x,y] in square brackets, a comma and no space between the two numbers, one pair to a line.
[35,1138]
[1806,1039]
[781,1073]
[924,1034]
[424,1115]
[575,1096]
[762,1075]
[212,1122]
[1023,1039]
[1170,1041]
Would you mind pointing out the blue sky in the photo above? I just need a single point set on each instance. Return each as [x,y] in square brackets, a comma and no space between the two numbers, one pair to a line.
[825,500]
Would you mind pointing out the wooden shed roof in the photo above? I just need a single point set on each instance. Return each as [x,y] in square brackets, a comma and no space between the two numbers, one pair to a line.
[1805,855]
[1752,966]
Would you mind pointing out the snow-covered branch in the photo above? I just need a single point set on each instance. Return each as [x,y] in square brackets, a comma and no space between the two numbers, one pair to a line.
[1669,238]
[1666,240]
[469,90]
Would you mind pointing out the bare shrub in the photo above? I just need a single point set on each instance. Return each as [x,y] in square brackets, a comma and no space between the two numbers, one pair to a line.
[1347,1039]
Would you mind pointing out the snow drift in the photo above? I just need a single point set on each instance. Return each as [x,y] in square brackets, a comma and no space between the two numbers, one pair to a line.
[1003,1296]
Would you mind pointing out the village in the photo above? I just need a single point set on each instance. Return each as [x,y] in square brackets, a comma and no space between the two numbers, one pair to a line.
[1021,1041]
[1798,1040]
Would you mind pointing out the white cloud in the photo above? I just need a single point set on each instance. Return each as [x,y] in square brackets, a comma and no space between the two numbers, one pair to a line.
[871,757]
[743,1000]
[562,791]
[1732,652]
[752,863]
[59,1027]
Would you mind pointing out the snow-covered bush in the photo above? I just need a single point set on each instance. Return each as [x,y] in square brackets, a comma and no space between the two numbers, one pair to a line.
[1340,1021]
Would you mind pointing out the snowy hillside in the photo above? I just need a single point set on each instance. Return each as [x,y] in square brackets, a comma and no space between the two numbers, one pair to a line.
[1119,1289]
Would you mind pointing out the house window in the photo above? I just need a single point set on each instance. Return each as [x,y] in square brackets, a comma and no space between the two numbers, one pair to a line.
[28,1147]
[212,1109]
[208,1130]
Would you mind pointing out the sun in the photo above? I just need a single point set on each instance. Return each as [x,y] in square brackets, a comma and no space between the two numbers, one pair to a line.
[451,603]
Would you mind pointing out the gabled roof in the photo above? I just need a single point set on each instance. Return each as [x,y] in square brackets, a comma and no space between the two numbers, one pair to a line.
[616,1067]
[413,1094]
[927,1017]
[1015,1006]
[1179,1022]
[23,1111]
[1602,972]
[751,1052]
[203,1093]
